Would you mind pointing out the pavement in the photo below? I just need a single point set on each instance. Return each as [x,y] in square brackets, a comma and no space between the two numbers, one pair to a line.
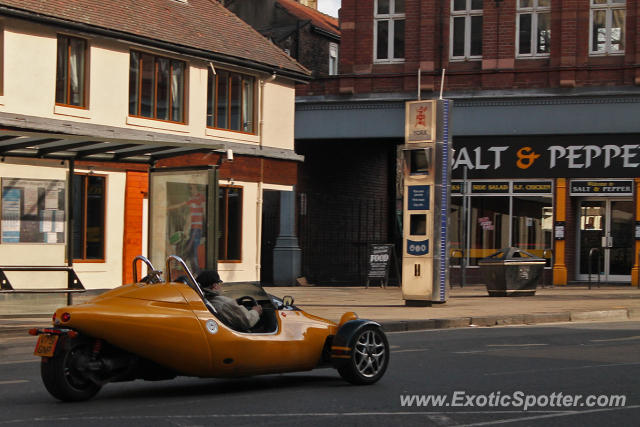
[466,307]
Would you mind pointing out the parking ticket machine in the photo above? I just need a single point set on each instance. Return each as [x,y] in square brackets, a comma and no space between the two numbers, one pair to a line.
[427,154]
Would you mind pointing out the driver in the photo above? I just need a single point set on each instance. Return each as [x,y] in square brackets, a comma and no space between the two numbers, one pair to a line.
[232,313]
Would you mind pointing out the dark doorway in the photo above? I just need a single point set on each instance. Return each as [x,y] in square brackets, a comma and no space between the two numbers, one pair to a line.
[270,231]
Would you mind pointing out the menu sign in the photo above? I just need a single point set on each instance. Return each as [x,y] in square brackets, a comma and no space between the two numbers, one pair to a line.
[602,187]
[532,187]
[490,187]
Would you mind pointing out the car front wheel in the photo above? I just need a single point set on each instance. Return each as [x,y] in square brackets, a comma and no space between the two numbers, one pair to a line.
[369,357]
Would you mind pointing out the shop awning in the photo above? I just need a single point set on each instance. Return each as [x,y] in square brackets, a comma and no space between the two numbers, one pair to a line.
[19,143]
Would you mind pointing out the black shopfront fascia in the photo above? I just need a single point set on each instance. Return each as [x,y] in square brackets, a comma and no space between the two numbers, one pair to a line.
[531,157]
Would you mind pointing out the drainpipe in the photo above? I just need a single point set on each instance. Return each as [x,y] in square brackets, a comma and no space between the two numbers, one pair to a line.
[260,199]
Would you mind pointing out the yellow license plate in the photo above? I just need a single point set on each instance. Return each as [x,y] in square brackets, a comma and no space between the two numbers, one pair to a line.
[46,345]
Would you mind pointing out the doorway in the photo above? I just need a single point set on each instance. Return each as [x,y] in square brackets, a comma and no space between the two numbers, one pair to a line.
[606,236]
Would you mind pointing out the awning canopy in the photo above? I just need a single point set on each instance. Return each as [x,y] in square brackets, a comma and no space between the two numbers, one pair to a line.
[19,143]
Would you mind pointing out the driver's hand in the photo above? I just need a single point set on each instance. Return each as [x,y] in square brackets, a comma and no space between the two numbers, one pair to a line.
[257,308]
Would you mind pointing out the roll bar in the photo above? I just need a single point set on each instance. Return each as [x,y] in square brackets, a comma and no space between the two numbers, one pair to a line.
[194,283]
[155,276]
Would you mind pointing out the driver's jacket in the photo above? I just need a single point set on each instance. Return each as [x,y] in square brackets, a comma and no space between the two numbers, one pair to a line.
[231,313]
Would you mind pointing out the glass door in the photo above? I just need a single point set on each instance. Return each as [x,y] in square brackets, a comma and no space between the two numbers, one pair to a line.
[605,240]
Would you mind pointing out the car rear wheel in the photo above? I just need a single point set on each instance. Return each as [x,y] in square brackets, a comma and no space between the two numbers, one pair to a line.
[369,357]
[63,374]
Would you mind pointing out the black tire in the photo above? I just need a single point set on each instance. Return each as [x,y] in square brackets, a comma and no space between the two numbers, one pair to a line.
[62,375]
[369,357]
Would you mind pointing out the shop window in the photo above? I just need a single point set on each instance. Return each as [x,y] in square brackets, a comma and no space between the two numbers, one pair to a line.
[89,202]
[156,87]
[230,222]
[466,29]
[70,71]
[230,101]
[531,224]
[489,224]
[607,19]
[534,28]
[388,31]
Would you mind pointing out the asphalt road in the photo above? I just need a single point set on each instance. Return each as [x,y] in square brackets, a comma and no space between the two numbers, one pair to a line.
[473,370]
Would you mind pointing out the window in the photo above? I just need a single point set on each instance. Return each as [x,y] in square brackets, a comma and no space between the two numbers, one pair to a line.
[89,201]
[607,26]
[70,71]
[534,28]
[156,87]
[333,59]
[466,29]
[388,31]
[230,101]
[230,243]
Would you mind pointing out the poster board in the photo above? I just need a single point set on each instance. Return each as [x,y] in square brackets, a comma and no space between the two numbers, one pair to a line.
[33,211]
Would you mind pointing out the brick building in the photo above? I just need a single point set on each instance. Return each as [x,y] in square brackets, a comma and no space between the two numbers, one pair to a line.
[546,99]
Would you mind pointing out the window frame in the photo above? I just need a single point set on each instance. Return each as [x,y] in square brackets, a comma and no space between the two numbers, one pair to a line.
[154,107]
[467,13]
[608,7]
[535,10]
[213,77]
[223,232]
[390,17]
[85,72]
[85,176]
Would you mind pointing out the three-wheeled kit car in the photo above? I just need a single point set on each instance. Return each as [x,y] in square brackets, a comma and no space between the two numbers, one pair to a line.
[158,329]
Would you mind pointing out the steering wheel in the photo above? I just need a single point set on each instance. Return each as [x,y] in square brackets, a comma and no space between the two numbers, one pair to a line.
[247,301]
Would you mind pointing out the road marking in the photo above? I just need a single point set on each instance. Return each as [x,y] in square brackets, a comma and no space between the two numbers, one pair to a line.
[411,350]
[636,337]
[570,368]
[541,417]
[13,362]
[275,415]
[13,382]
[514,345]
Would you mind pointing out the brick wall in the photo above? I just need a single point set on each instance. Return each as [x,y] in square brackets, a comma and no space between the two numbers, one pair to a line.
[427,48]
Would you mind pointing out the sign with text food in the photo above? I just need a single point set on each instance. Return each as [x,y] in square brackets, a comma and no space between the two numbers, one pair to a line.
[602,188]
[379,261]
[547,157]
[420,121]
[418,197]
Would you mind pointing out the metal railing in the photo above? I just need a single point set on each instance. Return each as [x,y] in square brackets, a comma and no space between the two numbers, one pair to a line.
[591,252]
[74,285]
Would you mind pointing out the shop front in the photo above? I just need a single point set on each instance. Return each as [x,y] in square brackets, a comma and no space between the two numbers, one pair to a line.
[570,199]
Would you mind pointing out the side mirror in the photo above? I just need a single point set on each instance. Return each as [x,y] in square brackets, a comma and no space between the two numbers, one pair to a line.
[287,301]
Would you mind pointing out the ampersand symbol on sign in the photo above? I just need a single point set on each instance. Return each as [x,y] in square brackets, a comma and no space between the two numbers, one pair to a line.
[526,153]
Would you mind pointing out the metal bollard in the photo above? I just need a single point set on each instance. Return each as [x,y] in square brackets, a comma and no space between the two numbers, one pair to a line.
[591,251]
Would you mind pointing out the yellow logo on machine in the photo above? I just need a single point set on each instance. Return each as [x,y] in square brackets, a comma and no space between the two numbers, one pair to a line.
[526,157]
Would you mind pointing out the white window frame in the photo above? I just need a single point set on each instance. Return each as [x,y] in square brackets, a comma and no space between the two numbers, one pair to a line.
[534,11]
[333,59]
[467,14]
[609,7]
[391,17]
